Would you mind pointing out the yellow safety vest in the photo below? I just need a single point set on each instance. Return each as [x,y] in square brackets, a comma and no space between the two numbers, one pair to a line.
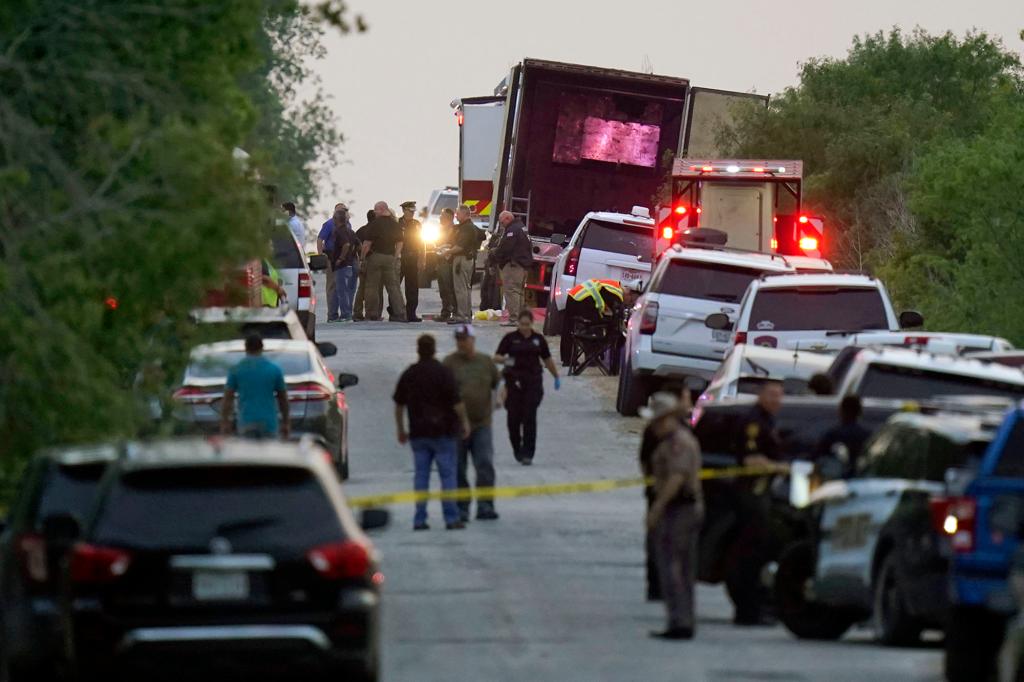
[270,297]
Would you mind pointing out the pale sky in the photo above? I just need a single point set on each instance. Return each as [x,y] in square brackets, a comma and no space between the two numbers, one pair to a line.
[393,84]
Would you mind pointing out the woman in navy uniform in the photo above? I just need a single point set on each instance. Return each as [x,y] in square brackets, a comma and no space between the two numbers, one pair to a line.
[522,354]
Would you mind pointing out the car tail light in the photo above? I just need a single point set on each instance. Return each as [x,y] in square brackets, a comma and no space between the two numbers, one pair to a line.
[680,210]
[739,337]
[93,564]
[649,318]
[31,550]
[915,340]
[955,518]
[766,341]
[305,285]
[339,560]
[308,391]
[572,263]
[667,233]
[197,394]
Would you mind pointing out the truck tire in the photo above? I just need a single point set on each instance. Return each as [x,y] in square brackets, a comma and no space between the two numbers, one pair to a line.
[803,618]
[894,625]
[633,391]
[552,318]
[565,341]
[973,638]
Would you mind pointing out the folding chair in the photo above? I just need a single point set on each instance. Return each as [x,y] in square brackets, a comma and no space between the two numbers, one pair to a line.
[597,336]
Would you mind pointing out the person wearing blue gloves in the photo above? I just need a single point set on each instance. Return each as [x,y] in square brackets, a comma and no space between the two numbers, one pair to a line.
[524,354]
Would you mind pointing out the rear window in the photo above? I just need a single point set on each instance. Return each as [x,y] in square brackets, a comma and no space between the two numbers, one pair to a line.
[224,331]
[887,381]
[1011,459]
[257,509]
[69,490]
[817,308]
[214,366]
[286,253]
[631,240]
[753,385]
[709,281]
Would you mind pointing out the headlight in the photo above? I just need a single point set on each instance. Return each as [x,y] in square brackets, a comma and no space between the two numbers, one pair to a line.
[430,233]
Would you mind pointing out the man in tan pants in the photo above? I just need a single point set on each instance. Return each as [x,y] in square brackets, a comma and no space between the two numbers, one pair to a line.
[465,243]
[382,246]
[514,257]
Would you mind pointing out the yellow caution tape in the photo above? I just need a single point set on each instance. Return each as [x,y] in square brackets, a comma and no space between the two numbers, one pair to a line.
[468,494]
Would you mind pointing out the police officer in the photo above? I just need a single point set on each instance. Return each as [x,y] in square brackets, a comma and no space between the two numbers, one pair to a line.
[413,257]
[521,353]
[756,445]
[676,512]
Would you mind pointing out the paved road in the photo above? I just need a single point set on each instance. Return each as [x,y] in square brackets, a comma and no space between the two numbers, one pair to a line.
[554,589]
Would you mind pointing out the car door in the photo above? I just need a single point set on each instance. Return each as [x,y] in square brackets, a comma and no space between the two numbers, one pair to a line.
[689,291]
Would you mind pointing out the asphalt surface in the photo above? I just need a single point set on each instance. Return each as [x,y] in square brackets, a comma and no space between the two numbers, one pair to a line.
[554,590]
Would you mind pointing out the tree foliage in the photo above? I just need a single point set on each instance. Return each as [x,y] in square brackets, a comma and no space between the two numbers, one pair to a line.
[118,125]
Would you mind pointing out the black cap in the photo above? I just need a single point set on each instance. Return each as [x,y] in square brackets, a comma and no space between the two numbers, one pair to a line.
[409,205]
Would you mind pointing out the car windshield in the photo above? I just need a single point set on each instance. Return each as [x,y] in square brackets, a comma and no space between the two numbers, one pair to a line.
[817,308]
[445,201]
[709,281]
[287,254]
[631,240]
[225,331]
[216,365]
[277,510]
[888,381]
[69,489]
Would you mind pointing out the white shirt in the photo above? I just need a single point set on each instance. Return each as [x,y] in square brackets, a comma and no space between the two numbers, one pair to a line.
[298,228]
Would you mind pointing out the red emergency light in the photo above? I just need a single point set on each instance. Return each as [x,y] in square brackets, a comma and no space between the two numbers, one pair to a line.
[681,210]
[803,220]
[808,243]
[667,233]
[111,303]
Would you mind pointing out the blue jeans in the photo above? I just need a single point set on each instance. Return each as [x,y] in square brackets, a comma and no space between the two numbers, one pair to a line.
[424,452]
[479,446]
[344,290]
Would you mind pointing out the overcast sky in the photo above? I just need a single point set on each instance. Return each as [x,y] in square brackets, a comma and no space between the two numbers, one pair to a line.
[393,84]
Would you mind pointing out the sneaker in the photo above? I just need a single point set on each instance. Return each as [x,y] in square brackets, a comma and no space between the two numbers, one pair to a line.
[458,525]
[421,526]
[333,319]
[489,515]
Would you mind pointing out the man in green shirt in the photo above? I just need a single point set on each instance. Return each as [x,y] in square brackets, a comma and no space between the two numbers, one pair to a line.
[477,377]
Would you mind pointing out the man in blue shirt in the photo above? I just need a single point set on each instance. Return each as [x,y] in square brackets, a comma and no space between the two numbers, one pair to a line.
[325,244]
[259,383]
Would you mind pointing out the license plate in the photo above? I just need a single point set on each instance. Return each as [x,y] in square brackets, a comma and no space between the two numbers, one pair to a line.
[220,585]
[629,275]
[720,335]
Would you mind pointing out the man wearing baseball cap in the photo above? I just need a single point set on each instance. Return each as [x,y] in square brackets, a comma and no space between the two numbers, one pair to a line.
[477,377]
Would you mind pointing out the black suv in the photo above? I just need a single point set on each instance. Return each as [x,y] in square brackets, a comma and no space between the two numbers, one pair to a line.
[223,556]
[58,482]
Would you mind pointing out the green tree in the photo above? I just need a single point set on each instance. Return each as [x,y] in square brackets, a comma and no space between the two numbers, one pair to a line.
[118,129]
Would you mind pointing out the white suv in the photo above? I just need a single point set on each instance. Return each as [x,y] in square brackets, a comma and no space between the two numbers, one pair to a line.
[616,246]
[812,311]
[667,338]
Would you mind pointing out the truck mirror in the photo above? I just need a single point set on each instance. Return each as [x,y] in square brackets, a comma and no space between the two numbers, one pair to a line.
[327,349]
[346,380]
[718,321]
[318,263]
[910,319]
[557,238]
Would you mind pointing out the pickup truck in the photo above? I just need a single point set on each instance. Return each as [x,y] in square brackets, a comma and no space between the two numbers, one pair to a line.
[984,528]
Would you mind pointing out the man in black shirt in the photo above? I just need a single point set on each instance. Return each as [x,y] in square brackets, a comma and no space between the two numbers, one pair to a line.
[445,276]
[514,257]
[359,309]
[437,419]
[413,258]
[521,353]
[465,242]
[382,243]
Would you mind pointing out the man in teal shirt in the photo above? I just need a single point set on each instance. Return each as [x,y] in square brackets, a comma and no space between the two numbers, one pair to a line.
[259,383]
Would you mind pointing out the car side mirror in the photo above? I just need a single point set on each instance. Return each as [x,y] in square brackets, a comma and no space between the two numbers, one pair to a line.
[374,519]
[910,319]
[718,321]
[557,238]
[327,349]
[346,380]
[318,263]
[60,532]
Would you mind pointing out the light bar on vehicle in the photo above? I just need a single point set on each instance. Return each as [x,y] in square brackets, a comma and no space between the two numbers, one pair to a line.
[749,168]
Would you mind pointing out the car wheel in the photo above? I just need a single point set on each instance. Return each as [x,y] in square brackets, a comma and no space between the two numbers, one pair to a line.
[552,318]
[633,391]
[894,626]
[802,617]
[565,341]
[973,638]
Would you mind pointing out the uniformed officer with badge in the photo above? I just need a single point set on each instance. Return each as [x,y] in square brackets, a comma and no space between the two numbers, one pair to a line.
[413,257]
[756,445]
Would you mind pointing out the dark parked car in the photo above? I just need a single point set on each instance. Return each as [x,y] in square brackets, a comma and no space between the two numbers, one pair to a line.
[316,399]
[221,559]
[57,482]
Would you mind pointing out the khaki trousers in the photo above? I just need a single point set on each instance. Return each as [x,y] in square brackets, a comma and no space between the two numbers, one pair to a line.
[382,273]
[462,281]
[359,308]
[513,280]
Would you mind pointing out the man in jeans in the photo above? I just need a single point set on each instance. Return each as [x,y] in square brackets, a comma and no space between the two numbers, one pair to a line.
[344,260]
[477,377]
[325,245]
[261,390]
[437,419]
[514,257]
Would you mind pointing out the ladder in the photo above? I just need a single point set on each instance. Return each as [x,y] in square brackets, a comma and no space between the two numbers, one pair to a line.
[520,208]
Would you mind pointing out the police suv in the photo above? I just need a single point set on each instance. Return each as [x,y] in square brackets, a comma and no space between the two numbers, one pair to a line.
[873,552]
[667,338]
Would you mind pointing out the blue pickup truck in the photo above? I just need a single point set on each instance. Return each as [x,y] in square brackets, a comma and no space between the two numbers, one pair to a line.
[984,527]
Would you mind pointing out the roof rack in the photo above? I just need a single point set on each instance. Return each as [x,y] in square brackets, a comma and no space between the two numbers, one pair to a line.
[860,273]
[731,249]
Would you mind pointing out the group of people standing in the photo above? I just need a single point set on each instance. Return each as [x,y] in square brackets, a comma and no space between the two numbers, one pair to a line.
[375,259]
[449,406]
